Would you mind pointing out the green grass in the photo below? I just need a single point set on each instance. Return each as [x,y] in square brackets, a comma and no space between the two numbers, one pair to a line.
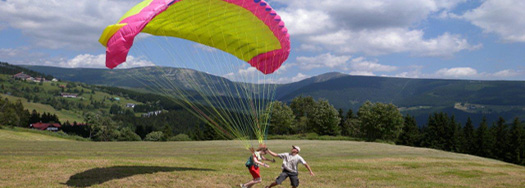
[63,115]
[50,163]
[46,90]
[24,134]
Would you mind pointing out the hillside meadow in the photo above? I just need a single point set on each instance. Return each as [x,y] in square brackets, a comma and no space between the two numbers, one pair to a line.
[36,160]
[16,90]
[64,115]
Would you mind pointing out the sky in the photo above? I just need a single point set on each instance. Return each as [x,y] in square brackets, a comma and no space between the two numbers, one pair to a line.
[445,39]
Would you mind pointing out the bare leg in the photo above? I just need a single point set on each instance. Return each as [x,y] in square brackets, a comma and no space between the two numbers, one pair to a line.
[253,182]
[273,184]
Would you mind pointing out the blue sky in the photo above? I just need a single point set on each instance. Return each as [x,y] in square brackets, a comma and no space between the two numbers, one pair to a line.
[449,39]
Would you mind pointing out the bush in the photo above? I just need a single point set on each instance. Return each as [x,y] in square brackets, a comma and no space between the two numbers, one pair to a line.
[312,136]
[284,137]
[126,134]
[62,134]
[154,136]
[180,137]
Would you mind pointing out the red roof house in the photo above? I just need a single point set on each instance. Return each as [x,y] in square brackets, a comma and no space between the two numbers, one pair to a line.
[45,126]
[21,76]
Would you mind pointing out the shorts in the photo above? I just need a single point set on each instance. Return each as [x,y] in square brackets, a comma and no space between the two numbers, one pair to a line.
[294,179]
[254,171]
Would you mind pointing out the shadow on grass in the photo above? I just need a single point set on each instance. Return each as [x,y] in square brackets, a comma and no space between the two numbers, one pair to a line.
[100,175]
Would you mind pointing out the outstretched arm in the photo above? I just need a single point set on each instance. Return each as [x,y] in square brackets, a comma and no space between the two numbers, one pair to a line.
[266,159]
[309,169]
[272,153]
[259,162]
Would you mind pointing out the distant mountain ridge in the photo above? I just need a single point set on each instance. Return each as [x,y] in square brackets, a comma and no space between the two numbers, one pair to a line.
[418,97]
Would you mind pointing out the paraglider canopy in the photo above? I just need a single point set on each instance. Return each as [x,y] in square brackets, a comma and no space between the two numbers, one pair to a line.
[248,29]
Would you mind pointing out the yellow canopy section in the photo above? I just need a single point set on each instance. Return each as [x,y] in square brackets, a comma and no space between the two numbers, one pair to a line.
[108,32]
[136,9]
[218,24]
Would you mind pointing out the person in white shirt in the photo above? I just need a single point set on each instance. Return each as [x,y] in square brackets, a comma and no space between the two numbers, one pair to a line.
[290,161]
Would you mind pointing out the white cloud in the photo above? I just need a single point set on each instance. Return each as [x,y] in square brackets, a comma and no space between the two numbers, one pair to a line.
[247,72]
[299,77]
[461,73]
[471,73]
[25,56]
[62,23]
[10,52]
[204,47]
[362,65]
[97,61]
[310,47]
[284,67]
[301,21]
[283,80]
[395,40]
[362,73]
[323,60]
[21,55]
[502,17]
[506,73]
[373,27]
[358,14]
[359,65]
[457,72]
[230,75]
[414,71]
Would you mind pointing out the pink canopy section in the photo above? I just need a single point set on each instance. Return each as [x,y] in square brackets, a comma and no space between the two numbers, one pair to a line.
[119,44]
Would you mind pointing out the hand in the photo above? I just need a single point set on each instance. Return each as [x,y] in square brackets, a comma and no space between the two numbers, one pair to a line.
[266,165]
[312,174]
[273,160]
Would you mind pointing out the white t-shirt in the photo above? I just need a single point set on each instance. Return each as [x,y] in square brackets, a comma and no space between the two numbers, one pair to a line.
[258,155]
[290,161]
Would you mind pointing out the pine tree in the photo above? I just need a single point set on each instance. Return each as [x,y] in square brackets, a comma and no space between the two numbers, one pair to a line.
[484,140]
[342,120]
[516,142]
[350,126]
[35,117]
[435,131]
[410,136]
[469,138]
[167,131]
[501,146]
[454,136]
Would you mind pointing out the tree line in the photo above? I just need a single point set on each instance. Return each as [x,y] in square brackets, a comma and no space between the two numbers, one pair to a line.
[498,140]
[6,68]
[384,122]
[304,115]
[13,113]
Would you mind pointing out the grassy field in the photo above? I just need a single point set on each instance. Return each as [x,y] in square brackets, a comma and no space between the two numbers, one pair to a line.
[51,162]
[19,134]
